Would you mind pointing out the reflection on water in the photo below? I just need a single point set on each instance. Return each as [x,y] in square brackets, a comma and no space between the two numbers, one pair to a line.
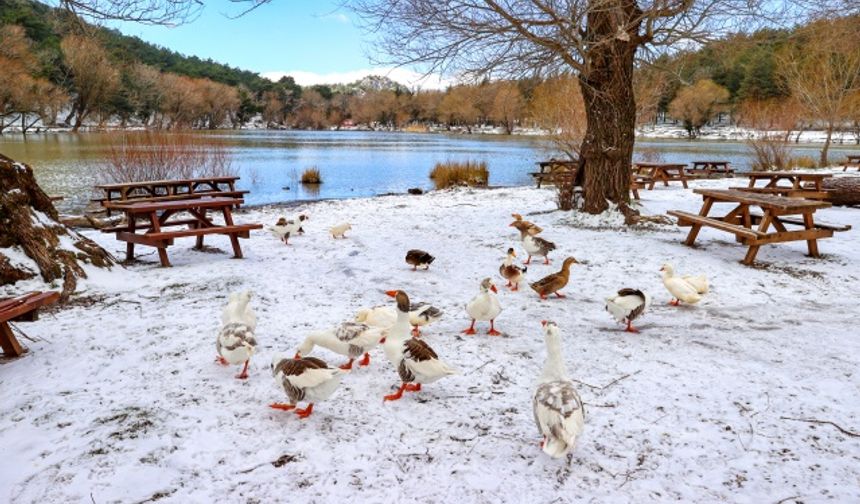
[352,163]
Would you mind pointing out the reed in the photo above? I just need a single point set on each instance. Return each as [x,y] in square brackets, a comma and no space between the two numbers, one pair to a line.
[311,176]
[455,173]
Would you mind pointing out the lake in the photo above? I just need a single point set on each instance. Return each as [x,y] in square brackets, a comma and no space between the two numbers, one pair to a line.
[353,163]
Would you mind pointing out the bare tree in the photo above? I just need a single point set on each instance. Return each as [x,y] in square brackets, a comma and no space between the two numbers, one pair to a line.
[557,107]
[161,12]
[598,40]
[823,72]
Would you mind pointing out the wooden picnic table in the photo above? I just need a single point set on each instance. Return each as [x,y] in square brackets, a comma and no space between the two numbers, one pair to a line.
[851,161]
[665,172]
[554,171]
[156,216]
[167,190]
[19,309]
[752,228]
[812,189]
[709,168]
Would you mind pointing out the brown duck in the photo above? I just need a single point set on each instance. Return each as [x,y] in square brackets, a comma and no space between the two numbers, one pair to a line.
[534,245]
[551,284]
[532,228]
[417,257]
[511,272]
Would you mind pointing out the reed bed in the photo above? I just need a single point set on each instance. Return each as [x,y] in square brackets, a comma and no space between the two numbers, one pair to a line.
[455,173]
[311,176]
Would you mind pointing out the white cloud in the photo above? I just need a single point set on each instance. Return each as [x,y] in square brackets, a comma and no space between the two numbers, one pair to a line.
[408,78]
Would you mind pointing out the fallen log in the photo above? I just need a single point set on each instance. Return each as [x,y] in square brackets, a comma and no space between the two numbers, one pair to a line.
[843,190]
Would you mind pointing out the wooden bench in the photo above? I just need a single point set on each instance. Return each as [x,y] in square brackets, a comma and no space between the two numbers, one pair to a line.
[788,192]
[708,168]
[167,190]
[851,161]
[661,172]
[776,211]
[639,182]
[21,309]
[159,215]
[554,171]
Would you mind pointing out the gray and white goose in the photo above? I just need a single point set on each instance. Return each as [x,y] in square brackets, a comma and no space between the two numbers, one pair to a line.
[305,379]
[627,306]
[236,343]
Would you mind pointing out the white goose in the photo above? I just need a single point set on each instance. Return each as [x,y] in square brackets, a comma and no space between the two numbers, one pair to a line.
[485,306]
[627,306]
[414,360]
[235,342]
[688,289]
[233,311]
[558,410]
[351,339]
[304,379]
[420,315]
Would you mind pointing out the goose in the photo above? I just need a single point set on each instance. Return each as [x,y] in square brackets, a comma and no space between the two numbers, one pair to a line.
[533,245]
[511,272]
[238,309]
[683,289]
[285,228]
[236,344]
[484,306]
[420,315]
[558,410]
[304,379]
[533,229]
[553,283]
[415,361]
[340,230]
[628,305]
[351,339]
[416,258]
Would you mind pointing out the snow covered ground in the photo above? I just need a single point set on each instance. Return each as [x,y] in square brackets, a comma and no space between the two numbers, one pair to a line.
[119,399]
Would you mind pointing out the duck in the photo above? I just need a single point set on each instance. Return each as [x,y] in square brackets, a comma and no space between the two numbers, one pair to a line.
[305,379]
[484,306]
[285,228]
[533,229]
[415,362]
[558,409]
[533,245]
[553,283]
[340,230]
[420,314]
[627,306]
[511,272]
[416,258]
[238,309]
[351,339]
[688,289]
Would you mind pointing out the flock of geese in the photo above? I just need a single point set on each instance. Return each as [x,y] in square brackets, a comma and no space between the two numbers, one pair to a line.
[558,409]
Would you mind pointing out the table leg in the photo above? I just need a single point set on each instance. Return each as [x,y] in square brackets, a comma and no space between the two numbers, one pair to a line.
[234,239]
[199,244]
[129,246]
[694,230]
[162,251]
[10,345]
[811,245]
[684,177]
[749,259]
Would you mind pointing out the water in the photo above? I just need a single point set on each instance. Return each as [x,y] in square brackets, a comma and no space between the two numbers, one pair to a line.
[353,164]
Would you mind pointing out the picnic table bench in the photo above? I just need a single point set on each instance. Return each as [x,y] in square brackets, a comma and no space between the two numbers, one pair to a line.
[709,168]
[851,161]
[554,171]
[156,216]
[661,172]
[20,309]
[751,227]
[167,190]
[813,189]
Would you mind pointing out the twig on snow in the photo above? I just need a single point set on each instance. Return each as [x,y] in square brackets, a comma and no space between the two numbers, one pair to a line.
[613,382]
[781,501]
[481,366]
[827,422]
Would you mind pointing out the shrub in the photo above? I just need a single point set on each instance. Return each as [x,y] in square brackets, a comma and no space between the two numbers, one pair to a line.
[769,152]
[454,173]
[311,176]
[803,162]
[151,155]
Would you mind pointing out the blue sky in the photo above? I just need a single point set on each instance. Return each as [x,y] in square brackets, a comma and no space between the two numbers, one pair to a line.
[315,41]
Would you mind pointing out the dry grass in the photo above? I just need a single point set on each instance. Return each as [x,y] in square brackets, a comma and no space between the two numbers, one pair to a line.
[769,152]
[311,176]
[159,155]
[453,173]
[803,162]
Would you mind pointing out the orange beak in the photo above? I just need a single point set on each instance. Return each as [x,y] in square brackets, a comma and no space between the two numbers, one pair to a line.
[512,224]
[514,254]
[493,288]
[298,356]
[543,323]
[391,293]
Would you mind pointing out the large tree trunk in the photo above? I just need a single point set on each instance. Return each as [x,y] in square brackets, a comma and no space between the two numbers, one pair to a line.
[32,240]
[610,108]
[824,150]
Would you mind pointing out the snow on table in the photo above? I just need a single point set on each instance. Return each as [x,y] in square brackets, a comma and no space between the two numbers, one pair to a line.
[120,400]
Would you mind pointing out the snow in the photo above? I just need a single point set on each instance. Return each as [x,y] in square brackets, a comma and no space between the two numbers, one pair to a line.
[119,399]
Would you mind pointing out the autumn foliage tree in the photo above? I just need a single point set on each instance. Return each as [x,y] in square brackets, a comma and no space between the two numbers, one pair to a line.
[697,104]
[94,77]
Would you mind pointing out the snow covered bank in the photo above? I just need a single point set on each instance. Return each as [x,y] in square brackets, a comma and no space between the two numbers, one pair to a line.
[120,399]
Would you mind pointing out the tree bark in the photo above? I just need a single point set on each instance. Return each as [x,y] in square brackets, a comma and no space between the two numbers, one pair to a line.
[822,162]
[610,108]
